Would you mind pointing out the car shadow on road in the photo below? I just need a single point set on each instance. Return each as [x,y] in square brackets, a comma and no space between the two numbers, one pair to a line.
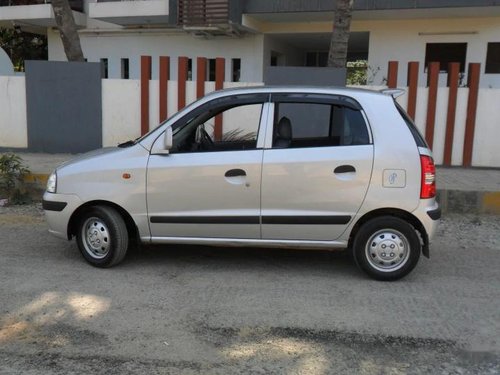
[244,259]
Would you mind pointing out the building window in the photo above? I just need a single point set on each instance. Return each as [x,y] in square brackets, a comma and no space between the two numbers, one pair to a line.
[445,53]
[317,58]
[104,68]
[277,59]
[125,69]
[493,58]
[190,70]
[211,70]
[236,70]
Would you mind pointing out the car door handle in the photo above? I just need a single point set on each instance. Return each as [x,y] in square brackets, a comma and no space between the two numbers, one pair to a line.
[344,169]
[235,173]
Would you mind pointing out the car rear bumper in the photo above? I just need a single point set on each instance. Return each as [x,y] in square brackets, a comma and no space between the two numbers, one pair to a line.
[429,213]
[58,210]
[435,214]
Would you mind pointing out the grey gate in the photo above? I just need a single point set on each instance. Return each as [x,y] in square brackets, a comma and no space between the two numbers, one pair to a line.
[64,106]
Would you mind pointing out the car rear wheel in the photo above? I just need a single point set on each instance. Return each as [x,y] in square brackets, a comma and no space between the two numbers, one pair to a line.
[387,248]
[102,236]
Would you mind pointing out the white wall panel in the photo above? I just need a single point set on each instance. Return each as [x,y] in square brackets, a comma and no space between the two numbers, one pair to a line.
[13,122]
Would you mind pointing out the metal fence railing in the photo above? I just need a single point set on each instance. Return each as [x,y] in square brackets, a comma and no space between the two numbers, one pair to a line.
[193,13]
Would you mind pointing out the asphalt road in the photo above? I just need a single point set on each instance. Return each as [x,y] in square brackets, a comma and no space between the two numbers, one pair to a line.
[185,310]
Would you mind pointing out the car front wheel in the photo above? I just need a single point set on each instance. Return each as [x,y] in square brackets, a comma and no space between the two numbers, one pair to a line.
[102,236]
[387,248]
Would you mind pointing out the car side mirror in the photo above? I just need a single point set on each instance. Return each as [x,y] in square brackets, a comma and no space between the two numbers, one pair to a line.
[168,140]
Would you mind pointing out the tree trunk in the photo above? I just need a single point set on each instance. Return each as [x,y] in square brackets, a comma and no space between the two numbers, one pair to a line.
[337,54]
[67,30]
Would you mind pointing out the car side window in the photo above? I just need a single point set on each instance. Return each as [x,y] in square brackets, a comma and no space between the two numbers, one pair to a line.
[298,125]
[227,128]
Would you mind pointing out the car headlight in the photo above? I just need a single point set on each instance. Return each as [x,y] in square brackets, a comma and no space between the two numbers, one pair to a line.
[52,183]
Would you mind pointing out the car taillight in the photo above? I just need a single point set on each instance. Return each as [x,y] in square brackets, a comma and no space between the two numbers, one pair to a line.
[428,179]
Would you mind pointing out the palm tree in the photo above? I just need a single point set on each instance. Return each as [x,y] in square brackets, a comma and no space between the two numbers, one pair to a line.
[67,29]
[337,55]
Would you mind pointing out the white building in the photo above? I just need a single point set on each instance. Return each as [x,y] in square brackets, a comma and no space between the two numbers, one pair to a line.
[254,34]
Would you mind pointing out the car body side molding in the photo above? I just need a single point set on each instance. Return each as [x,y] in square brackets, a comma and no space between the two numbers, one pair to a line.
[286,220]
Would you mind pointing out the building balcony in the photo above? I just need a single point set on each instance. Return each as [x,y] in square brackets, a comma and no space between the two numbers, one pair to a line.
[131,12]
[210,17]
[203,13]
[36,12]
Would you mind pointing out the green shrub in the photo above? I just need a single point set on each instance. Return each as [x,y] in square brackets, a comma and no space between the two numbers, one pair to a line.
[359,73]
[12,172]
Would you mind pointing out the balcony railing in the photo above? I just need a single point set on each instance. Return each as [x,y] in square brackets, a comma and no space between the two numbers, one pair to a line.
[74,4]
[113,1]
[203,13]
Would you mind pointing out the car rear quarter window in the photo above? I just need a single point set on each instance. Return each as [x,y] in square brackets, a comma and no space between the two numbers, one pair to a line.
[419,139]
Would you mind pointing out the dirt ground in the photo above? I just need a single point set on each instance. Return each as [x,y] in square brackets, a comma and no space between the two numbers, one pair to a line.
[189,310]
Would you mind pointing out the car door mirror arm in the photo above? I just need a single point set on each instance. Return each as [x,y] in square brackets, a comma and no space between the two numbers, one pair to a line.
[168,141]
[166,144]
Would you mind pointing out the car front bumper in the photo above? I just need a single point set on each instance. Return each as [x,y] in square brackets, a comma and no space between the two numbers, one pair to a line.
[58,210]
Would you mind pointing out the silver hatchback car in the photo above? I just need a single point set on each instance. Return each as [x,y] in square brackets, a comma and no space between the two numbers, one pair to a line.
[296,167]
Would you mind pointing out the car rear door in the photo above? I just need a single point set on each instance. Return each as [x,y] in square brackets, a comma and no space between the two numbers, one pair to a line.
[314,179]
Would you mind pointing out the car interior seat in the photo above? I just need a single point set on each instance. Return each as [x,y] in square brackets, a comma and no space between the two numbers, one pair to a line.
[283,137]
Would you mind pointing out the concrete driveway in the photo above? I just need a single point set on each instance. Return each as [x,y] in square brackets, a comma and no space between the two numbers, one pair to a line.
[209,310]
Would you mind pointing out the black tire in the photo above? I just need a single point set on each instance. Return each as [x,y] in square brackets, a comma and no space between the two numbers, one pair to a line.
[102,236]
[387,248]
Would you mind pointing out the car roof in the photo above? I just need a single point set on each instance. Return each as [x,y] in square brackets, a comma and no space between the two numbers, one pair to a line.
[331,90]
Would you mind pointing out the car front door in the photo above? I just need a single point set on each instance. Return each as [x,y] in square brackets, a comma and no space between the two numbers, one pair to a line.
[316,168]
[208,185]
